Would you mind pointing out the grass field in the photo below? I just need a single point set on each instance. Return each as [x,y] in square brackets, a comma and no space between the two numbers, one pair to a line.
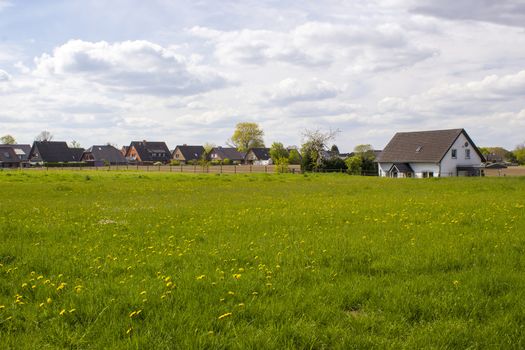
[133,260]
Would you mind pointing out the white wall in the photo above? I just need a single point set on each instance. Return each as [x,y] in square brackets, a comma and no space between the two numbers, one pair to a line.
[420,168]
[449,165]
[383,168]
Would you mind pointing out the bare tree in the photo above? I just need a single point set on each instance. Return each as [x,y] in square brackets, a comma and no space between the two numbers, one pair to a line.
[74,144]
[314,143]
[44,136]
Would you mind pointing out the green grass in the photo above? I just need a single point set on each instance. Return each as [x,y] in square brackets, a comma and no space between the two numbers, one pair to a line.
[318,261]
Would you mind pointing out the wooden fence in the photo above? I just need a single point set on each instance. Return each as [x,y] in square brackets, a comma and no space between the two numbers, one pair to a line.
[195,169]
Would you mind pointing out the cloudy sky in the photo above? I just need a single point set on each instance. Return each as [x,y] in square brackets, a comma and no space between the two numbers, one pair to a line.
[186,71]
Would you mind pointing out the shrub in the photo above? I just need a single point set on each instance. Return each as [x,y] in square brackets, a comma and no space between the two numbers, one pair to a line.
[175,162]
[226,161]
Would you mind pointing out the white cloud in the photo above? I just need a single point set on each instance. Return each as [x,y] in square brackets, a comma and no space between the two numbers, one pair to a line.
[506,12]
[140,67]
[365,47]
[4,76]
[292,90]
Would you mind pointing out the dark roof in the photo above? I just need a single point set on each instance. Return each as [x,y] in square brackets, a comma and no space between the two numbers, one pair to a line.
[77,153]
[228,152]
[261,153]
[105,153]
[54,151]
[402,167]
[8,155]
[22,151]
[190,152]
[147,149]
[422,146]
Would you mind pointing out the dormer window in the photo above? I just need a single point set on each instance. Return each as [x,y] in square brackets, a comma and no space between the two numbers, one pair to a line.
[418,149]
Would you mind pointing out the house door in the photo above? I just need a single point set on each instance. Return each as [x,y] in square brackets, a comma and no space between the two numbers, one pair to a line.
[394,173]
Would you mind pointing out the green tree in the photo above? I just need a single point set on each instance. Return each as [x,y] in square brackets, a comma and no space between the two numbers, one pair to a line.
[366,153]
[519,153]
[281,165]
[294,157]
[277,152]
[334,149]
[354,165]
[246,136]
[7,140]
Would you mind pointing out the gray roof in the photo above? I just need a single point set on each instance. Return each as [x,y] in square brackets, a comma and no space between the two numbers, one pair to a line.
[8,155]
[421,146]
[190,152]
[21,150]
[152,151]
[402,167]
[261,153]
[228,152]
[105,153]
[54,151]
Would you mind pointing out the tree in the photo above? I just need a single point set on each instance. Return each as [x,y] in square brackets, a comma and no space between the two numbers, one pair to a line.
[314,142]
[519,153]
[277,152]
[74,144]
[366,153]
[246,136]
[354,165]
[208,147]
[7,140]
[334,149]
[44,136]
[294,157]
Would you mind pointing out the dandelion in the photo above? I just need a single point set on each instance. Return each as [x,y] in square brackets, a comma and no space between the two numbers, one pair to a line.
[61,313]
[134,314]
[72,310]
[2,307]
[231,293]
[455,283]
[78,289]
[49,300]
[143,292]
[228,314]
[130,329]
[61,286]
[237,276]
[200,277]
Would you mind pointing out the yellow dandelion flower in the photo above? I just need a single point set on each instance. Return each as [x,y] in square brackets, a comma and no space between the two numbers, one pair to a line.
[49,300]
[130,329]
[237,276]
[41,305]
[240,305]
[200,277]
[2,307]
[228,314]
[61,313]
[24,285]
[72,310]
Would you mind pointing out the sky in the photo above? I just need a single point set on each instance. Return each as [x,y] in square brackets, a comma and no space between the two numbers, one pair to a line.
[187,71]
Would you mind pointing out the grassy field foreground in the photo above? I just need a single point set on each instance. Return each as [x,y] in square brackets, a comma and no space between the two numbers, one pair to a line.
[130,260]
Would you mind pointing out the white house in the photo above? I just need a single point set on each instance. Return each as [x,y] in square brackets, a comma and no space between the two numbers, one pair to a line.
[435,153]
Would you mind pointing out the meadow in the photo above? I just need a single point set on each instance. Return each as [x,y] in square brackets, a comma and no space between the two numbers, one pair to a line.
[135,260]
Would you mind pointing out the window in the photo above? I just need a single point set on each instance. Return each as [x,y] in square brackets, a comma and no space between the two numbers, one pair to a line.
[454,154]
[418,149]
[430,174]
[467,154]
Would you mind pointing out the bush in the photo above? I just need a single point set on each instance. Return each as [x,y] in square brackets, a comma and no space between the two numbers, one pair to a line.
[65,165]
[281,165]
[175,162]
[215,162]
[226,161]
[333,164]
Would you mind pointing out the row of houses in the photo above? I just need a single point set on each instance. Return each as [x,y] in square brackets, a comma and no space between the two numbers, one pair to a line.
[434,153]
[138,152]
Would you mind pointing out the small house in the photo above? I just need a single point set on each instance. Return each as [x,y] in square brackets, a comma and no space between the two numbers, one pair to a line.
[222,153]
[21,151]
[258,156]
[147,152]
[8,158]
[103,155]
[188,154]
[434,153]
[53,152]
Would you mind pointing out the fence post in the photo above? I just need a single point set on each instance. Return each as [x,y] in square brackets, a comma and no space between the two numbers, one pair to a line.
[181,168]
[250,168]
[221,168]
[235,169]
[137,166]
[194,169]
[265,168]
[147,168]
